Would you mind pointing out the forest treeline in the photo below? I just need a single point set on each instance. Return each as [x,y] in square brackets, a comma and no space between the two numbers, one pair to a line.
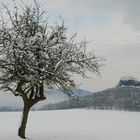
[117,98]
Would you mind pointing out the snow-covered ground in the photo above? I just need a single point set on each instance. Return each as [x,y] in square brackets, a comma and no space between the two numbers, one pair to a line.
[75,124]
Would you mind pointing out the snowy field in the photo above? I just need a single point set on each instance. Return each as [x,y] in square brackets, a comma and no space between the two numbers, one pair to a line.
[73,125]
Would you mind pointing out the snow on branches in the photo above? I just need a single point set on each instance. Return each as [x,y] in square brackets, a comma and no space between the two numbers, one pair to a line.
[31,52]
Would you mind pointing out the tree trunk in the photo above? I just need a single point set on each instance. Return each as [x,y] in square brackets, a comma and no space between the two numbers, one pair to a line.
[21,131]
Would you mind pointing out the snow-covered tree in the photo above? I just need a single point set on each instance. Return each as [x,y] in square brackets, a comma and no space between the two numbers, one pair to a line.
[128,81]
[34,56]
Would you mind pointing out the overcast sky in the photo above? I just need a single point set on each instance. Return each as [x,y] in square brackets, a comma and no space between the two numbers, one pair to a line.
[112,26]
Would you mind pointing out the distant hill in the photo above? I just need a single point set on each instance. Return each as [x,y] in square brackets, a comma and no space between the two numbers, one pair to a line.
[8,102]
[120,98]
[125,96]
[55,96]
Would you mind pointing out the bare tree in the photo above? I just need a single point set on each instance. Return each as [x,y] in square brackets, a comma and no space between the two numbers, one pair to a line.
[34,56]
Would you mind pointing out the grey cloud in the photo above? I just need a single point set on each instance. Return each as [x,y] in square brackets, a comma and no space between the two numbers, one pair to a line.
[132,13]
[128,9]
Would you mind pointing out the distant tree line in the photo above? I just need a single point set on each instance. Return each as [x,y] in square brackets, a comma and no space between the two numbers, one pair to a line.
[118,98]
[9,109]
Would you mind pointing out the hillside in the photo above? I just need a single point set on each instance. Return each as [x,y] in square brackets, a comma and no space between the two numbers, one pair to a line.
[119,98]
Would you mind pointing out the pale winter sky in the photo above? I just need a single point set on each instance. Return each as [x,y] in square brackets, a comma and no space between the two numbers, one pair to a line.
[112,26]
